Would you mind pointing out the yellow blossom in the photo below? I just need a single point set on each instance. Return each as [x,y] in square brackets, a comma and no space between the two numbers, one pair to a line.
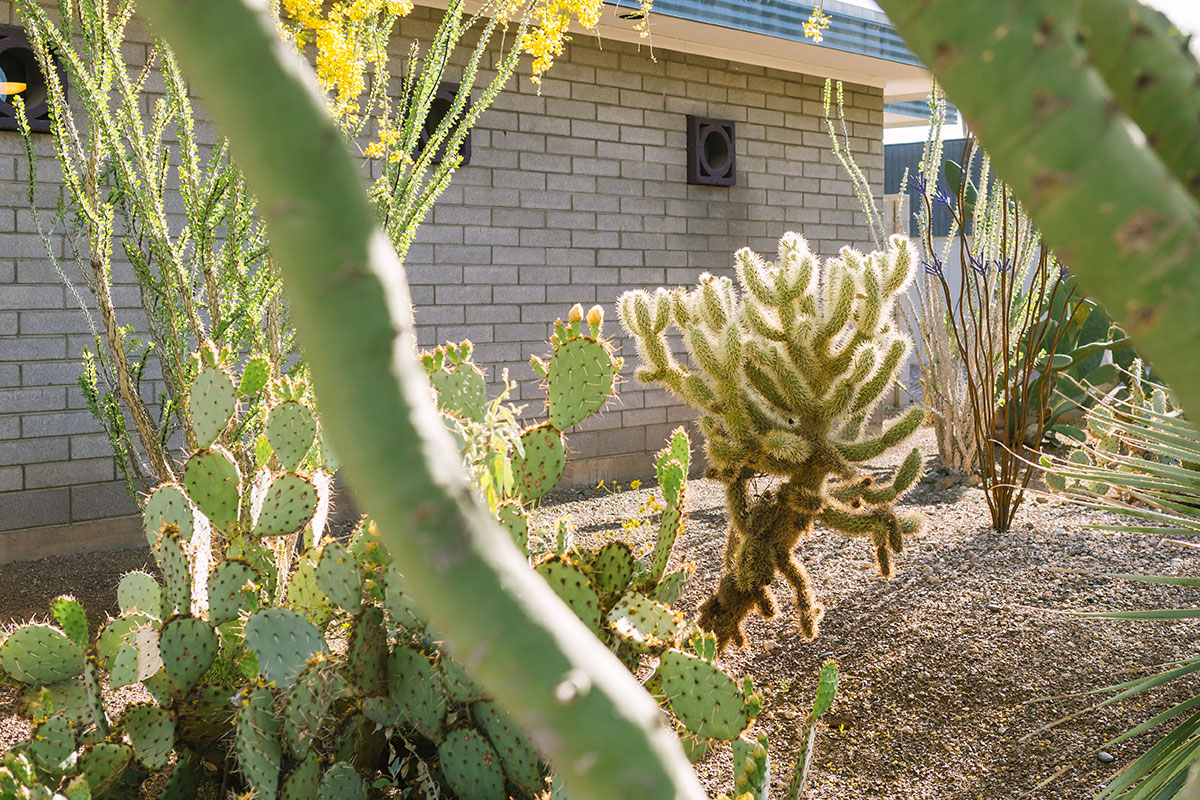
[817,22]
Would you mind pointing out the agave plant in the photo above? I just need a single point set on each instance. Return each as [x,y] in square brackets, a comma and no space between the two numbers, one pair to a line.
[1148,454]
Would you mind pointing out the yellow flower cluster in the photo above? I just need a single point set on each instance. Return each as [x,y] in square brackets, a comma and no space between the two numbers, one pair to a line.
[548,36]
[817,22]
[344,44]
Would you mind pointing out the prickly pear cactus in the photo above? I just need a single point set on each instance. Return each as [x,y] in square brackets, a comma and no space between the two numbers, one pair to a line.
[788,370]
[307,672]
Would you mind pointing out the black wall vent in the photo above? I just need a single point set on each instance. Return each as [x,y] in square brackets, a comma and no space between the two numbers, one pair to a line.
[711,145]
[443,101]
[20,76]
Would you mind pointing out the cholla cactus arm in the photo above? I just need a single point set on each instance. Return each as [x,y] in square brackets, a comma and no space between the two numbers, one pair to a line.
[796,362]
[351,305]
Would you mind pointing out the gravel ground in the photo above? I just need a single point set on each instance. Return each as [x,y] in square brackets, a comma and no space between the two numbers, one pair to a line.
[939,664]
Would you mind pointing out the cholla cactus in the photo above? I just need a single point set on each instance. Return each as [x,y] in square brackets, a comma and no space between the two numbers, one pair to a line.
[786,375]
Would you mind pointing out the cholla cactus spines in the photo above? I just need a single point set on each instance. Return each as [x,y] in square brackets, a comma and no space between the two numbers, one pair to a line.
[788,367]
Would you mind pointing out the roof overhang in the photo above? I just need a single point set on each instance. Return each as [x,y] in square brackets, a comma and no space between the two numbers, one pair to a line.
[860,45]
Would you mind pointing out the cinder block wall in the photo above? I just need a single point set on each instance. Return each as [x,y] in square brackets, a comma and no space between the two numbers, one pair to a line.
[572,195]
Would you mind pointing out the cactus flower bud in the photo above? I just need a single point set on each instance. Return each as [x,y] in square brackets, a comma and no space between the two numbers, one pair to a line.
[595,315]
[576,314]
[750,764]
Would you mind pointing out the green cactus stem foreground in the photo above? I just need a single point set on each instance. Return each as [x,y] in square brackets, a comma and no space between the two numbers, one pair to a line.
[1088,111]
[584,711]
[786,375]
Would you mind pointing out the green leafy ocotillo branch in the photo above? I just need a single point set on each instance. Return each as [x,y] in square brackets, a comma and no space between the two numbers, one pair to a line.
[1089,111]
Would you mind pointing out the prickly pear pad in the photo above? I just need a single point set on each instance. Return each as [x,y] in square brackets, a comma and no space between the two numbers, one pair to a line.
[102,765]
[303,593]
[751,767]
[579,382]
[612,569]
[648,626]
[53,746]
[118,631]
[517,756]
[71,617]
[516,522]
[459,686]
[188,647]
[291,428]
[257,741]
[827,683]
[151,731]
[308,703]
[366,653]
[283,640]
[704,698]
[40,654]
[471,766]
[214,484]
[168,505]
[571,584]
[671,587]
[212,400]
[122,667]
[416,690]
[396,600]
[341,782]
[287,506]
[139,592]
[69,698]
[255,375]
[176,572]
[302,782]
[462,393]
[339,577]
[543,463]
[232,589]
[678,449]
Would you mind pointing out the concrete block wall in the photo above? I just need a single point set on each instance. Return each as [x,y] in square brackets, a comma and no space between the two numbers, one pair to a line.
[56,466]
[580,192]
[573,195]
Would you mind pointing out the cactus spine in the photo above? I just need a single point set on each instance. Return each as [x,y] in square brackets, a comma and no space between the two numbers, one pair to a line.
[787,372]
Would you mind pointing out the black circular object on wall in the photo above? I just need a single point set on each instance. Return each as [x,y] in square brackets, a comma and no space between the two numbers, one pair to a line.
[711,151]
[19,68]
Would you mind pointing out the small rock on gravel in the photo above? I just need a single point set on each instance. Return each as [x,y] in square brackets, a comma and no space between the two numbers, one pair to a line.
[1105,757]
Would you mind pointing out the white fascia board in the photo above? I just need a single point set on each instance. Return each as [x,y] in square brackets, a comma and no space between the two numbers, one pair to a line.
[899,81]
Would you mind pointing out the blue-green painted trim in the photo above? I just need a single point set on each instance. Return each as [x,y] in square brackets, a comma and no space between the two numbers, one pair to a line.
[852,29]
[919,110]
